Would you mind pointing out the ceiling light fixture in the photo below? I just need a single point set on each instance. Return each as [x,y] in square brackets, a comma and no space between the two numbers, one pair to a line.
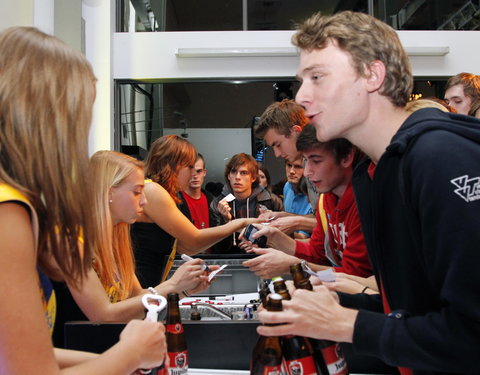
[284,52]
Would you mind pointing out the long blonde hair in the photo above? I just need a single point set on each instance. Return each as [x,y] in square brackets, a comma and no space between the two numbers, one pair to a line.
[167,155]
[47,90]
[113,259]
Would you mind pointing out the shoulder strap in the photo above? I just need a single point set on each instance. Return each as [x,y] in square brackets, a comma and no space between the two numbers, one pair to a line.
[169,264]
[322,213]
[10,194]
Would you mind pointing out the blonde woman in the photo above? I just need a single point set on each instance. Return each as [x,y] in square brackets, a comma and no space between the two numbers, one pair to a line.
[111,291]
[47,92]
[169,165]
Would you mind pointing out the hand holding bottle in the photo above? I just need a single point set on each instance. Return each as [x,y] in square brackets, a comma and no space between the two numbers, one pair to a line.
[147,340]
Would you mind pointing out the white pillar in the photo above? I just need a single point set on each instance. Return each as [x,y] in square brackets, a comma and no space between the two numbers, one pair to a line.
[99,26]
[38,13]
[43,15]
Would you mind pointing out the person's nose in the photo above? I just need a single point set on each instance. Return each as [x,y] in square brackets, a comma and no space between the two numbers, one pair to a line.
[303,95]
[307,171]
[143,200]
[276,151]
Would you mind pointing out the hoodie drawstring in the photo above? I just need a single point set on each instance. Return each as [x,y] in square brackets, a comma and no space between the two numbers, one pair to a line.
[235,216]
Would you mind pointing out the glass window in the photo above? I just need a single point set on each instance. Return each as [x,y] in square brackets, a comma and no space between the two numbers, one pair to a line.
[216,116]
[147,109]
[220,15]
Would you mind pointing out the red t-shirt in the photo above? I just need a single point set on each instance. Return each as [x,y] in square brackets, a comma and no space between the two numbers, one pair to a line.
[198,210]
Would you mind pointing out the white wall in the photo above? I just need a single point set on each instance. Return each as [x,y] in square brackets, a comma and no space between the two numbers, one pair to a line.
[152,55]
[217,146]
[16,13]
[158,60]
[99,27]
[38,13]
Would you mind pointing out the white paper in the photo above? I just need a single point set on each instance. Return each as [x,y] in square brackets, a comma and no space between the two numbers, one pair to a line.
[327,275]
[212,274]
[230,197]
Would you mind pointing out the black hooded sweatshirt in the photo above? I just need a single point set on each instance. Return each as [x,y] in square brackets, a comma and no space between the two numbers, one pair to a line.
[249,207]
[420,216]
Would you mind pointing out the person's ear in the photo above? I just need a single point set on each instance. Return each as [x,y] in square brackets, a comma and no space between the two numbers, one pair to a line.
[347,161]
[296,129]
[375,75]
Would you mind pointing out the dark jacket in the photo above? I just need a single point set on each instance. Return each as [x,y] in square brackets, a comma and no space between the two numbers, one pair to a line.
[249,207]
[421,221]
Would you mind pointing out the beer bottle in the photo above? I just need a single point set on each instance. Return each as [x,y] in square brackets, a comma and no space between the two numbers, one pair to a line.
[267,354]
[280,288]
[330,351]
[264,291]
[176,343]
[300,280]
[333,357]
[299,357]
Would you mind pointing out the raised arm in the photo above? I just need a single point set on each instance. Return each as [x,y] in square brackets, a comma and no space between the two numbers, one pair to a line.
[162,210]
[293,222]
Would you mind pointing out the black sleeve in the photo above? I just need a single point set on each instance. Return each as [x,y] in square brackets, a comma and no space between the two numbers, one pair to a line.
[443,189]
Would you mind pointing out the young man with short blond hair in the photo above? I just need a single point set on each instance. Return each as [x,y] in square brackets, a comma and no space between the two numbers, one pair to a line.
[418,196]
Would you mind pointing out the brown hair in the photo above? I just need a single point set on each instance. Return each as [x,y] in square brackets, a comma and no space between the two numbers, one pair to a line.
[237,161]
[262,167]
[281,116]
[167,155]
[415,105]
[365,39]
[340,148]
[470,83]
[47,90]
[474,107]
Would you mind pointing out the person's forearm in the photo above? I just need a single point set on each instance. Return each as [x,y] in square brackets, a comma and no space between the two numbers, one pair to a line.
[116,360]
[318,267]
[167,287]
[67,358]
[205,238]
[282,242]
[122,311]
[346,325]
[306,223]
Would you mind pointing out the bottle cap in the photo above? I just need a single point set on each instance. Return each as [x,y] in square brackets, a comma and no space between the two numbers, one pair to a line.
[172,297]
[296,266]
[275,296]
[274,302]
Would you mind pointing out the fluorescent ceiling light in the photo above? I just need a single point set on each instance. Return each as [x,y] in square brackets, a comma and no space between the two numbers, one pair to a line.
[427,51]
[236,52]
[284,51]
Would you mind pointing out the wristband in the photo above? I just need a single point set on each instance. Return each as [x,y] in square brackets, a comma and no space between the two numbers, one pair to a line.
[185,293]
[364,289]
[152,290]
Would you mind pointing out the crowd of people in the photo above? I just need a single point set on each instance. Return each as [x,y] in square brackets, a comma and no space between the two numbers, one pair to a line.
[382,191]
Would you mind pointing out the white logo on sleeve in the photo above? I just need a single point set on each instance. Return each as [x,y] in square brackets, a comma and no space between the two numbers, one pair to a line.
[467,188]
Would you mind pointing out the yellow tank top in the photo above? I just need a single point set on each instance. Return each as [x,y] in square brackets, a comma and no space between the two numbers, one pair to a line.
[10,194]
